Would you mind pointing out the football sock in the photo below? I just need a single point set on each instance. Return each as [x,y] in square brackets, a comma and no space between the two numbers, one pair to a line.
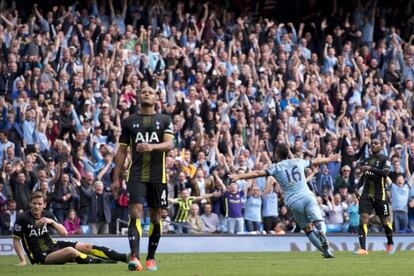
[106,253]
[134,235]
[362,235]
[320,233]
[154,234]
[84,259]
[388,233]
[315,240]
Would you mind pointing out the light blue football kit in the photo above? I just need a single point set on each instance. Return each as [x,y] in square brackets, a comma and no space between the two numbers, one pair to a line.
[290,174]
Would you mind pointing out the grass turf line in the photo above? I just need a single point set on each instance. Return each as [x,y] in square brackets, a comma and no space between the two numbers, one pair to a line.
[295,263]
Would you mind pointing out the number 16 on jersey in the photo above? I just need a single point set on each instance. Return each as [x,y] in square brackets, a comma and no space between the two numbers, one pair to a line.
[293,175]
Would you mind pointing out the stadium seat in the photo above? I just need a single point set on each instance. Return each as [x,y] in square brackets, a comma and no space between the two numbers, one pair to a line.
[86,229]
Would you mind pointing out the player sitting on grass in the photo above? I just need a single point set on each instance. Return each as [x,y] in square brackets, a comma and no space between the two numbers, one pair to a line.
[34,226]
[290,174]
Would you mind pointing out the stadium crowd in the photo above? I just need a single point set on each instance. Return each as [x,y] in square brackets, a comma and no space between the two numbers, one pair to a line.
[237,78]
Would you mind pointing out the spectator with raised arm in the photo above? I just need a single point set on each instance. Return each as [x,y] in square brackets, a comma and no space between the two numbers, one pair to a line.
[183,208]
[399,201]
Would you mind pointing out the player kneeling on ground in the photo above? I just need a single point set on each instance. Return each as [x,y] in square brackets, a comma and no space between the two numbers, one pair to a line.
[34,226]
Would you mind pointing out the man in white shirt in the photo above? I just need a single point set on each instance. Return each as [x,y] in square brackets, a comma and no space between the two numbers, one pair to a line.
[211,220]
[336,210]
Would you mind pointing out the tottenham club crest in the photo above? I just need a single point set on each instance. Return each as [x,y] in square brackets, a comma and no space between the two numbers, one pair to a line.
[135,125]
[157,124]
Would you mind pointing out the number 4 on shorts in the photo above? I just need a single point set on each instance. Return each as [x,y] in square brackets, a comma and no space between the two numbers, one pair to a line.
[164,197]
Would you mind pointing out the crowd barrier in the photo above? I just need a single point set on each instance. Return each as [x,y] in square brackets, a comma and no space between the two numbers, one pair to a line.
[229,243]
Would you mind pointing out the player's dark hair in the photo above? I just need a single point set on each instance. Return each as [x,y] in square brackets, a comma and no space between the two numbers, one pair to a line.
[282,151]
[37,194]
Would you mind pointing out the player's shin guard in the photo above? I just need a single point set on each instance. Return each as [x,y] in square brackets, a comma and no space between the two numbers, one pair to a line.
[106,253]
[134,235]
[315,240]
[154,234]
[362,235]
[388,233]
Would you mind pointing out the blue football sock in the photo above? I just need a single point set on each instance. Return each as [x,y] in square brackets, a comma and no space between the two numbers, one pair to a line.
[319,227]
[314,239]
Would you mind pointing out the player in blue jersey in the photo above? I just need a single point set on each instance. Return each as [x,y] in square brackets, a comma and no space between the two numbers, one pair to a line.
[290,174]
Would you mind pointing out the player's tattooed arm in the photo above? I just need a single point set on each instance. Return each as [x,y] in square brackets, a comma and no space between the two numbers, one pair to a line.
[250,175]
[325,160]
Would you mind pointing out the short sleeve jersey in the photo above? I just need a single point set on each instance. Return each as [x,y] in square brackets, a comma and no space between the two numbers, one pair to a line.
[36,238]
[290,174]
[136,129]
[374,184]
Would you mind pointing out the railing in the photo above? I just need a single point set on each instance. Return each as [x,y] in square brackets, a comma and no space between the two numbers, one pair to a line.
[118,222]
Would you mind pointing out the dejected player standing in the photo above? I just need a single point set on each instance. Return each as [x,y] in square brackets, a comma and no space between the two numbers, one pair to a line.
[375,170]
[290,174]
[150,137]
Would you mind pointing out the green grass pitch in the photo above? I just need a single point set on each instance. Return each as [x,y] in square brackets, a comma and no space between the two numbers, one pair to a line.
[298,263]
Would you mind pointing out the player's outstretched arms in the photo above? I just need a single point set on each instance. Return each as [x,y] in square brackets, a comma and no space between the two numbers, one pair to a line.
[249,175]
[325,160]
